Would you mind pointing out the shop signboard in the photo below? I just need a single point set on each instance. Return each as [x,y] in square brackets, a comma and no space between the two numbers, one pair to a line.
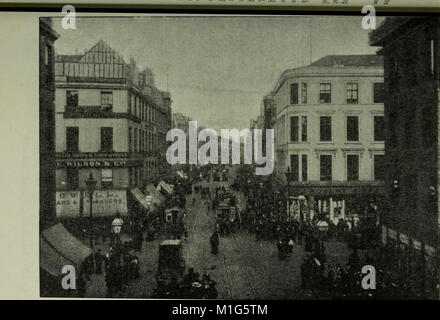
[106,203]
[107,163]
[67,204]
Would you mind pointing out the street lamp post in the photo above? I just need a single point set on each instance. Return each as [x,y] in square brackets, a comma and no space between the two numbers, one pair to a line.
[91,184]
[116,227]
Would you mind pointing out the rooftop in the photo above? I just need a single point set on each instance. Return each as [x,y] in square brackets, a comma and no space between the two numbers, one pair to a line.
[360,60]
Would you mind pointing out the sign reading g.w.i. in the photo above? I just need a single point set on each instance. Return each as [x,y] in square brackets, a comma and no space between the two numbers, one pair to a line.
[68,204]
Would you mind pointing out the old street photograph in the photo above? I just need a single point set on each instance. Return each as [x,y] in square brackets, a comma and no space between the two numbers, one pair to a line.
[239,157]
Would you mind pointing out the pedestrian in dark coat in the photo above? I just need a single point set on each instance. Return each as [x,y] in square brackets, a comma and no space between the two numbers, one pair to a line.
[354,261]
[98,262]
[214,240]
[305,273]
[281,250]
[81,283]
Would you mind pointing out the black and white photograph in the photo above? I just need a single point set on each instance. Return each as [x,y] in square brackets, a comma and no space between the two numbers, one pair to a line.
[241,157]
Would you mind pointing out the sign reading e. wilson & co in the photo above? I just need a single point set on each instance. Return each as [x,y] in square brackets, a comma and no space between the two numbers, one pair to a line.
[110,163]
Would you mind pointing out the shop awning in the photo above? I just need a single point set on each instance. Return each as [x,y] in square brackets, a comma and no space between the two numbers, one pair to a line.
[181,174]
[165,186]
[66,244]
[140,197]
[157,198]
[51,260]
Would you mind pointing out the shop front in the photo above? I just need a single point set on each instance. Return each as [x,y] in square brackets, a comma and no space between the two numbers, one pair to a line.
[73,210]
[112,170]
[336,200]
[58,249]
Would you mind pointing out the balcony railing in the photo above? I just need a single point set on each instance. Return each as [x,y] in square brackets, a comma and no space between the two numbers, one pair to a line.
[103,154]
[89,109]
[101,111]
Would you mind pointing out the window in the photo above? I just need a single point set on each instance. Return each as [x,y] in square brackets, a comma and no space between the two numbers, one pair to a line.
[352,93]
[130,149]
[352,128]
[294,129]
[48,60]
[129,103]
[294,165]
[325,128]
[352,167]
[379,128]
[72,178]
[106,139]
[304,171]
[304,93]
[135,182]
[135,106]
[141,140]
[325,165]
[48,55]
[135,140]
[379,167]
[72,139]
[72,98]
[107,178]
[107,101]
[294,93]
[325,93]
[304,128]
[130,176]
[378,92]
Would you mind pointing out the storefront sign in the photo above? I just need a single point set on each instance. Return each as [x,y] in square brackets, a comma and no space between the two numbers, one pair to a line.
[95,155]
[98,163]
[67,204]
[106,203]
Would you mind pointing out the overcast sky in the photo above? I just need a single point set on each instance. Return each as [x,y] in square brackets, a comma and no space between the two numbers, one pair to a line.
[218,68]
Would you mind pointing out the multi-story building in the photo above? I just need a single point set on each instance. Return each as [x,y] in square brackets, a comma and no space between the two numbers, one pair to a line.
[411,223]
[47,38]
[329,131]
[267,117]
[180,121]
[111,120]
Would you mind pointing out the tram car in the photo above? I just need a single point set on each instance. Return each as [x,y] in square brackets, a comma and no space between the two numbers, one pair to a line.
[226,217]
[174,222]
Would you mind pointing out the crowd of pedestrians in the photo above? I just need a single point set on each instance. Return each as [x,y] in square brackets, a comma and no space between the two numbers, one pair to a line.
[190,287]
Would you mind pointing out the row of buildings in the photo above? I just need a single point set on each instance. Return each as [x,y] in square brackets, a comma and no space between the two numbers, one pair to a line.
[98,115]
[110,120]
[104,118]
[328,119]
[353,127]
